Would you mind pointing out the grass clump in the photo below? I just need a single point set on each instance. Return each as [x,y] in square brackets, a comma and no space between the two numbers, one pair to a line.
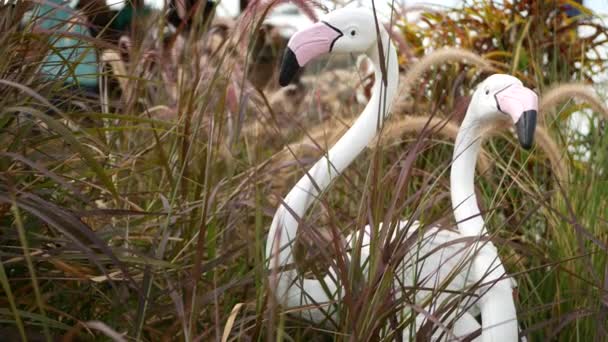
[141,212]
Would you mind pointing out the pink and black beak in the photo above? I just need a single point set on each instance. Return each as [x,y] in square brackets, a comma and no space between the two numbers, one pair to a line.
[521,104]
[304,46]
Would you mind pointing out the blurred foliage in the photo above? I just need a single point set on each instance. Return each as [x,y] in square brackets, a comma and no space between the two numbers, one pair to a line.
[536,41]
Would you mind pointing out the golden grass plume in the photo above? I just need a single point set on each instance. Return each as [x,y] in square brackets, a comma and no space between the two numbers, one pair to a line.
[567,91]
[441,56]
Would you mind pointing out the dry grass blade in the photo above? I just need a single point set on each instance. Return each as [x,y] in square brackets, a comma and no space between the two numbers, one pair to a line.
[71,226]
[70,137]
[30,92]
[106,330]
[230,322]
[40,168]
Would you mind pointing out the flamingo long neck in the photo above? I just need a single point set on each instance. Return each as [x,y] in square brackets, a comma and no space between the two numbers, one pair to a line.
[285,225]
[464,202]
[497,306]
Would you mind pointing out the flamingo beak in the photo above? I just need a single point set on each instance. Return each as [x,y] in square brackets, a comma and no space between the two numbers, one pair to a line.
[521,104]
[526,126]
[304,46]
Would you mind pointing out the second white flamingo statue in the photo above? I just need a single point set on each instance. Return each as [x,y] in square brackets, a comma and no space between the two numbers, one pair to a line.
[498,97]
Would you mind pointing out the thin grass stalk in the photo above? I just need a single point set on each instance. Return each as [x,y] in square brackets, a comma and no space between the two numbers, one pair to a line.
[260,275]
[191,309]
[206,177]
[185,149]
[148,280]
[6,286]
[30,265]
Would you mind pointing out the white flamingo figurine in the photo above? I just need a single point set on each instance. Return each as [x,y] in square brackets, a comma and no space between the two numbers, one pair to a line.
[341,31]
[499,96]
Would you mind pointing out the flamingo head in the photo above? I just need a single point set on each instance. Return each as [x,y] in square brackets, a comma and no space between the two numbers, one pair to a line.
[504,96]
[346,30]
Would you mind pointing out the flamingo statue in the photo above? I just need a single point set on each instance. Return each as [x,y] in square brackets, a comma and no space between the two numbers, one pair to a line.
[499,97]
[347,30]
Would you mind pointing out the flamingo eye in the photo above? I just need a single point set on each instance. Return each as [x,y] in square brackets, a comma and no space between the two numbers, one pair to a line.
[487,92]
[353,33]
